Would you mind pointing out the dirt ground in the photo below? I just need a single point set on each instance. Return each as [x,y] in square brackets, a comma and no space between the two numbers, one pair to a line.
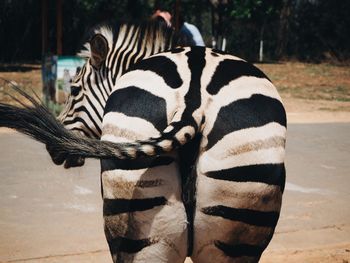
[27,76]
[337,254]
[312,93]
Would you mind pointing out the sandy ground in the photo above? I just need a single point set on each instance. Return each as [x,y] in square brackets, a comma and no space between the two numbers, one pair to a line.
[53,215]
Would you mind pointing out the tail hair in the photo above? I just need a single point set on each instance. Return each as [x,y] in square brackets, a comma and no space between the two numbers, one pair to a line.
[36,121]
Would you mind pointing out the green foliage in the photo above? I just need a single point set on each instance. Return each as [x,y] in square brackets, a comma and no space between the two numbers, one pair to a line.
[253,9]
[244,9]
[315,30]
[249,21]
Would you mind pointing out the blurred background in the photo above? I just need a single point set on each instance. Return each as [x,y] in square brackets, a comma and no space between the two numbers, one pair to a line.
[302,45]
[307,30]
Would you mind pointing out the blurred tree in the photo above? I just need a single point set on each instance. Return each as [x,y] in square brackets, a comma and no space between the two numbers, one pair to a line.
[17,20]
[284,28]
[321,29]
[252,21]
[311,30]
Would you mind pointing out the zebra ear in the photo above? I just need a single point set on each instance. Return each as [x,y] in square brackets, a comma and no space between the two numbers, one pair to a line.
[99,50]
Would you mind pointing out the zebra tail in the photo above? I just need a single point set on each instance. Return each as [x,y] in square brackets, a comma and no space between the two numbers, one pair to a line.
[36,121]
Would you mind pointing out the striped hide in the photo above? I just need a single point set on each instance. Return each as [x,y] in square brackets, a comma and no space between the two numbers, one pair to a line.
[231,188]
[191,142]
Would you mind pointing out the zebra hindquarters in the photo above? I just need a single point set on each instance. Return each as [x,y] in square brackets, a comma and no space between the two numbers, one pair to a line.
[144,216]
[240,180]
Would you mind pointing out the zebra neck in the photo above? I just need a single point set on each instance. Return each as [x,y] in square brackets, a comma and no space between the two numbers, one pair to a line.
[133,44]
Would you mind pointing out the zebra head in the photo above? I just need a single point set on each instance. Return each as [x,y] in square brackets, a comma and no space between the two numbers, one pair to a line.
[109,53]
[89,90]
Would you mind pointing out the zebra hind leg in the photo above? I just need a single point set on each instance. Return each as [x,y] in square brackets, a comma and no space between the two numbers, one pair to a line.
[238,197]
[234,221]
[144,217]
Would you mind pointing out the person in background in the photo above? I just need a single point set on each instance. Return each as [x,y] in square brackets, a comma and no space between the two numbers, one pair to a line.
[189,34]
[163,14]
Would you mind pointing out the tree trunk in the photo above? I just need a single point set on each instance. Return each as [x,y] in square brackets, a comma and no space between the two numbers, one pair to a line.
[217,23]
[283,31]
[198,14]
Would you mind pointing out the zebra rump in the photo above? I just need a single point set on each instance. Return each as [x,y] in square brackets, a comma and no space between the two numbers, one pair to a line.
[36,121]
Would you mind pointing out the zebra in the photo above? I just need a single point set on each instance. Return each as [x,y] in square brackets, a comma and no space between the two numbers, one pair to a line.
[90,89]
[192,152]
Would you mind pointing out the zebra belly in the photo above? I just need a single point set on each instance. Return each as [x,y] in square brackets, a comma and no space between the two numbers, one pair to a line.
[145,219]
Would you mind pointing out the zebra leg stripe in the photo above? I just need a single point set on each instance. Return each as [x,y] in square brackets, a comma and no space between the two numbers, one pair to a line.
[143,211]
[118,206]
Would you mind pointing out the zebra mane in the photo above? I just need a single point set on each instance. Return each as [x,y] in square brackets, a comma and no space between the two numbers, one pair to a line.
[149,34]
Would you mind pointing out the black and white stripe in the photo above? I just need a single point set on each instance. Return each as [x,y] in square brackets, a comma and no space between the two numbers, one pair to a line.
[239,171]
[192,148]
[127,44]
[161,103]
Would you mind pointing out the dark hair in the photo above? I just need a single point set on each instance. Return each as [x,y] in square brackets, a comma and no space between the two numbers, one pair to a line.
[161,21]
